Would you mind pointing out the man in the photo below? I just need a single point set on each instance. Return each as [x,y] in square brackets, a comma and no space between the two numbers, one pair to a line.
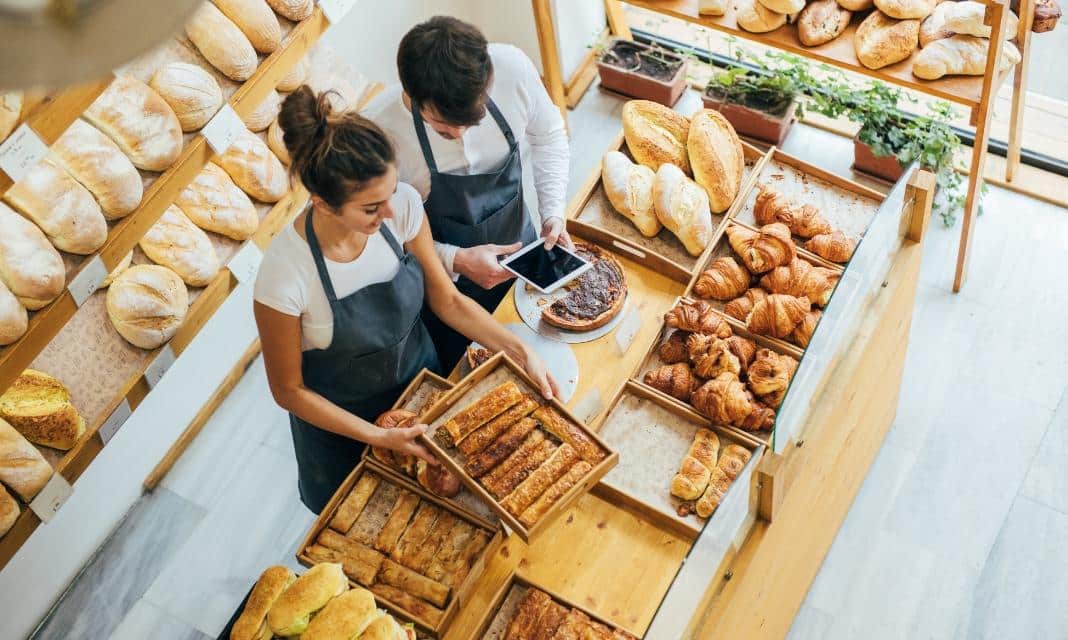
[457,120]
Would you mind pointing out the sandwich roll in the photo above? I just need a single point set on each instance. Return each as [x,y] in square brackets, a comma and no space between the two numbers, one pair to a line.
[387,628]
[98,164]
[292,611]
[147,303]
[345,617]
[178,244]
[222,43]
[30,267]
[256,20]
[190,90]
[139,121]
[10,110]
[252,623]
[61,207]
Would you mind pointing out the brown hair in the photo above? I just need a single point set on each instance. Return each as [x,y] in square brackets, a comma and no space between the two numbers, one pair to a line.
[334,154]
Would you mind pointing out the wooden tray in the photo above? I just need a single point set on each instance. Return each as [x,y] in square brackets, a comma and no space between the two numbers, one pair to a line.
[498,369]
[460,594]
[652,435]
[592,217]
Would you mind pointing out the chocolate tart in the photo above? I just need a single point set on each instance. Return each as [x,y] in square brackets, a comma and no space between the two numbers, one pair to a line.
[592,299]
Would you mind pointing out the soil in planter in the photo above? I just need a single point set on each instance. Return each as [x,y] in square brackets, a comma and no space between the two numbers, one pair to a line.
[774,107]
[630,57]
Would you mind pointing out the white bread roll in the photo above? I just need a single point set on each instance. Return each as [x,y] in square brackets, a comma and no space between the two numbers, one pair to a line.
[783,6]
[264,113]
[139,121]
[256,21]
[10,110]
[906,9]
[22,467]
[933,26]
[716,158]
[682,206]
[221,43]
[30,267]
[711,7]
[656,134]
[629,187]
[13,317]
[40,408]
[254,168]
[881,40]
[961,56]
[95,161]
[214,203]
[190,90]
[822,21]
[292,80]
[147,303]
[276,143]
[295,10]
[178,244]
[62,208]
[857,5]
[123,265]
[966,18]
[756,18]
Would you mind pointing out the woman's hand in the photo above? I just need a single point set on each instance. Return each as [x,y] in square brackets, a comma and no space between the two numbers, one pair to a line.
[405,440]
[536,369]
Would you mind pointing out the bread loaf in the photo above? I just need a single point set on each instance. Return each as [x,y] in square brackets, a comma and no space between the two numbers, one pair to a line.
[906,9]
[178,244]
[123,265]
[682,206]
[857,5]
[716,158]
[254,168]
[39,407]
[9,511]
[629,187]
[22,468]
[147,303]
[13,317]
[966,18]
[214,203]
[256,21]
[190,90]
[140,122]
[711,7]
[880,40]
[756,18]
[276,143]
[933,26]
[10,110]
[959,55]
[62,208]
[292,80]
[656,134]
[30,267]
[265,113]
[221,43]
[295,10]
[822,21]
[96,162]
[783,6]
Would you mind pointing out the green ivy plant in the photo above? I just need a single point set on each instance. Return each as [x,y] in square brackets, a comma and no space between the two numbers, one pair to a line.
[768,83]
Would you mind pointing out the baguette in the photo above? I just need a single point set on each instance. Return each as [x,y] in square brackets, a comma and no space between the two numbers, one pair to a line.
[252,623]
[397,522]
[416,534]
[413,584]
[178,244]
[353,504]
[360,572]
[480,412]
[295,10]
[256,20]
[190,90]
[254,168]
[214,203]
[13,317]
[535,450]
[9,511]
[502,447]
[539,482]
[29,265]
[22,467]
[556,424]
[221,43]
[39,407]
[61,207]
[541,506]
[290,613]
[412,605]
[98,164]
[487,433]
[139,121]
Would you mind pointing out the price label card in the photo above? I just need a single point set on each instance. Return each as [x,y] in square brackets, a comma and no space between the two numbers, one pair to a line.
[21,152]
[589,406]
[628,330]
[87,281]
[159,366]
[223,129]
[335,10]
[246,262]
[51,497]
[115,421]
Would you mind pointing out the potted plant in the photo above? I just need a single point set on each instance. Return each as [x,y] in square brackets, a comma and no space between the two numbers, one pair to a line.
[759,103]
[641,71]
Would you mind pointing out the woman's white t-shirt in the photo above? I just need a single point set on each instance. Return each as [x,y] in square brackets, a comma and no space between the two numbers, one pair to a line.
[289,283]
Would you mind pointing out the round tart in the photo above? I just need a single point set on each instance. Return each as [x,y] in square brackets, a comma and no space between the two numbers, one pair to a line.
[592,299]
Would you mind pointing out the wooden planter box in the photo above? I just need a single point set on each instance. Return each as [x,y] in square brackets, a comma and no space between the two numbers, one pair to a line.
[754,123]
[635,85]
[882,167]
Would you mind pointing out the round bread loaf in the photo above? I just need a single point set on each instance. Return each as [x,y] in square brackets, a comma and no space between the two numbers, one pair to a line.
[147,303]
[656,134]
[907,9]
[822,21]
[783,6]
[754,17]
[39,407]
[716,158]
[190,90]
[881,40]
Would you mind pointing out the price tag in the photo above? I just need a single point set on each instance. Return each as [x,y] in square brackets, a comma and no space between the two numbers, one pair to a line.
[223,129]
[21,152]
[51,497]
[115,421]
[87,281]
[159,366]
[246,262]
[628,330]
[589,406]
[335,10]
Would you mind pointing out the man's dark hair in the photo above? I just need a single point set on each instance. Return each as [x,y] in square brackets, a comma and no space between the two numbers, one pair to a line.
[444,63]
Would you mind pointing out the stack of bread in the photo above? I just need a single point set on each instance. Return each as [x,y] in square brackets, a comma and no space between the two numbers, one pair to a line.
[706,473]
[315,606]
[684,170]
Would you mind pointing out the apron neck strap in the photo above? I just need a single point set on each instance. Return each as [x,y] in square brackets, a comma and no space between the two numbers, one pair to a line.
[424,141]
[392,240]
[317,255]
[501,122]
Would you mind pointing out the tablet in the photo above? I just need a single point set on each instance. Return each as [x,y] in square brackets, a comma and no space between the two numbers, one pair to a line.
[546,271]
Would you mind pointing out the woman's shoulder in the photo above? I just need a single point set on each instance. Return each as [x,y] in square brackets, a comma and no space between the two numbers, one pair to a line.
[407,211]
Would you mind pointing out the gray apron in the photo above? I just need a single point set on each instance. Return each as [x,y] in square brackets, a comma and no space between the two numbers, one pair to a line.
[467,210]
[379,344]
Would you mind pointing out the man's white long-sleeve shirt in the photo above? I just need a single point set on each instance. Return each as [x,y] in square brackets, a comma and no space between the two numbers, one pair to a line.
[518,92]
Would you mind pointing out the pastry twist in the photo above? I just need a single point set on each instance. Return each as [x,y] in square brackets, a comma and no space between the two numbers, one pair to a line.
[835,246]
[777,315]
[802,219]
[770,374]
[698,317]
[690,482]
[763,250]
[724,400]
[801,279]
[673,350]
[676,380]
[740,307]
[711,356]
[724,279]
[718,484]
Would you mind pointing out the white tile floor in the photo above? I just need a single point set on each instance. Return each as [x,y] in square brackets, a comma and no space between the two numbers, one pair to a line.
[958,531]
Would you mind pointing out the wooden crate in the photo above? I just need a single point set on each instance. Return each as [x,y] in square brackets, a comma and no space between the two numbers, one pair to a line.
[498,369]
[652,435]
[459,595]
[592,217]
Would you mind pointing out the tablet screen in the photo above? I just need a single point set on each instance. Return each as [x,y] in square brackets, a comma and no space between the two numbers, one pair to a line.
[544,268]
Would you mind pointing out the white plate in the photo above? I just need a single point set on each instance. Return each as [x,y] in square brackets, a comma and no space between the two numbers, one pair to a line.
[530,304]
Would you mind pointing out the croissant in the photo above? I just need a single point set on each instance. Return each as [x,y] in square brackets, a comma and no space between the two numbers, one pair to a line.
[732,459]
[799,278]
[723,399]
[802,219]
[674,349]
[744,349]
[762,418]
[718,484]
[835,246]
[690,482]
[698,317]
[740,307]
[763,250]
[724,279]
[769,376]
[676,380]
[711,356]
[393,419]
[802,335]
[777,315]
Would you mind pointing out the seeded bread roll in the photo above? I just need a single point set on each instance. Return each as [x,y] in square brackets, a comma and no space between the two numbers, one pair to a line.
[147,304]
[221,43]
[190,90]
[39,407]
[30,267]
[140,121]
[61,207]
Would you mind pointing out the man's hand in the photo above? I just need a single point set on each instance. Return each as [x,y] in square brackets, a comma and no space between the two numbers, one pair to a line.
[480,264]
[555,231]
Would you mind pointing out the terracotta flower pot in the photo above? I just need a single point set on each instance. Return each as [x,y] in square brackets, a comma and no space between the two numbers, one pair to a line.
[754,123]
[865,160]
[635,80]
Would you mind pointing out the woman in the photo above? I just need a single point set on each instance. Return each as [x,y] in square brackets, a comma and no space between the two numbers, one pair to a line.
[339,294]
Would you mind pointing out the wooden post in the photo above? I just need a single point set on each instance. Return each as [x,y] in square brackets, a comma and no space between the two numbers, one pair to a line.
[1019,88]
[770,477]
[920,191]
[551,72]
[617,19]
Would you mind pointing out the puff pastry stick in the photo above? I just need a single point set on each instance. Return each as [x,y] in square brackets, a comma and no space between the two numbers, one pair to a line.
[501,448]
[482,411]
[361,572]
[527,616]
[596,631]
[397,522]
[460,567]
[535,450]
[426,551]
[369,523]
[413,584]
[349,548]
[488,432]
[458,538]
[353,504]
[418,530]
[416,607]
[530,489]
[574,475]
[563,429]
[550,621]
[573,626]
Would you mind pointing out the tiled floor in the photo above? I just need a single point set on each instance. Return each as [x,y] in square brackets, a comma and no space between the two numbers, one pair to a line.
[958,531]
